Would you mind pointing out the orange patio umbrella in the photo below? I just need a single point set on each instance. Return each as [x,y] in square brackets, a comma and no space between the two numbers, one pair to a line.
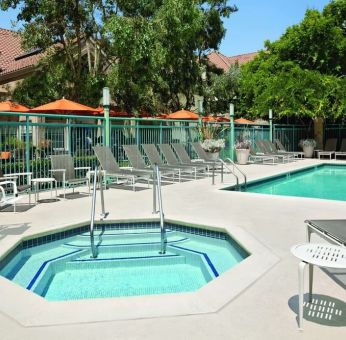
[112,113]
[64,106]
[222,119]
[209,119]
[8,106]
[183,114]
[243,121]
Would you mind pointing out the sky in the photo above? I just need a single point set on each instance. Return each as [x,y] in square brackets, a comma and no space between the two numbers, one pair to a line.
[247,29]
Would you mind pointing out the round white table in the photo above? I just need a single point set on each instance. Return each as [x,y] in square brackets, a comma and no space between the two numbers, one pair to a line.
[321,255]
[36,183]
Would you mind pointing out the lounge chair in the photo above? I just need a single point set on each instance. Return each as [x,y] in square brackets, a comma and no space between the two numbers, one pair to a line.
[332,230]
[342,150]
[281,149]
[155,158]
[271,147]
[138,163]
[63,171]
[329,148]
[113,171]
[171,159]
[266,151]
[254,158]
[185,158]
[202,155]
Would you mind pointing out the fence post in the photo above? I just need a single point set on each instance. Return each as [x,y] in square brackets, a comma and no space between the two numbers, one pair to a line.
[27,144]
[271,125]
[69,136]
[231,131]
[106,103]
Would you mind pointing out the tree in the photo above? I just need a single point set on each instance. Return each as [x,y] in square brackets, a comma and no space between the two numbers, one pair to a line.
[222,89]
[160,49]
[63,28]
[303,73]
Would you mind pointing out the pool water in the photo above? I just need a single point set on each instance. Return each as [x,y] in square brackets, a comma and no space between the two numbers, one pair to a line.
[128,263]
[326,181]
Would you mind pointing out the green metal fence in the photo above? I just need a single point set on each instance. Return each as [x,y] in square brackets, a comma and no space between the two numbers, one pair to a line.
[335,131]
[28,140]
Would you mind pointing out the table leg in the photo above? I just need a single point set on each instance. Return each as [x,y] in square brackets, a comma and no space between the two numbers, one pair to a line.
[311,278]
[51,189]
[301,293]
[36,193]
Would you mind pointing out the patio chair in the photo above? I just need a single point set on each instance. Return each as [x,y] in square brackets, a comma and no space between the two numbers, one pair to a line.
[329,148]
[342,150]
[23,187]
[137,161]
[171,159]
[63,171]
[155,158]
[281,149]
[112,169]
[8,193]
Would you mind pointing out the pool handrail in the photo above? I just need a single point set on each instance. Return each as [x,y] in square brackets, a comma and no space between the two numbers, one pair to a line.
[158,195]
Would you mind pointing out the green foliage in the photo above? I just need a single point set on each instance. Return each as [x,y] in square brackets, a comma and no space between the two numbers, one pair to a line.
[302,73]
[62,30]
[222,89]
[155,45]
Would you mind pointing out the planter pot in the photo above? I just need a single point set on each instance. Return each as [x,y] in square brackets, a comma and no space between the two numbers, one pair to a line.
[213,156]
[308,151]
[242,156]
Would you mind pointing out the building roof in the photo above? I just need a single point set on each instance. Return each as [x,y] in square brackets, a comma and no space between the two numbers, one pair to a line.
[223,62]
[12,56]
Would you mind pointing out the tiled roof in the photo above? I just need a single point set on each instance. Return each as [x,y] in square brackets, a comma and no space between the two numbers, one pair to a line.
[223,62]
[10,50]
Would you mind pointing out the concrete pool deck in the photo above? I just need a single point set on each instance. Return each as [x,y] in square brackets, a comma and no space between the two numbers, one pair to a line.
[265,308]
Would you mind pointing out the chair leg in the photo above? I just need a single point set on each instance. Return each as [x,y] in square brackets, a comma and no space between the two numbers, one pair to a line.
[311,278]
[301,293]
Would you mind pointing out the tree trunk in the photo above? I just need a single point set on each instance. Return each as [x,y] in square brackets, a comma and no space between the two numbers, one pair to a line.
[318,132]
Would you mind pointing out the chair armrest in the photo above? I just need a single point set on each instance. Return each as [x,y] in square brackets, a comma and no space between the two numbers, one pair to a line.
[57,170]
[19,174]
[83,168]
[15,192]
[8,177]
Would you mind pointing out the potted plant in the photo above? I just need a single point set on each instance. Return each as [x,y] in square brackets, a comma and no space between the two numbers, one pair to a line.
[242,150]
[308,146]
[213,147]
[211,144]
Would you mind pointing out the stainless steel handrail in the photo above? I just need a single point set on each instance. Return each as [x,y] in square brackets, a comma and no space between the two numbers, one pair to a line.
[224,164]
[158,196]
[92,220]
[98,177]
[238,169]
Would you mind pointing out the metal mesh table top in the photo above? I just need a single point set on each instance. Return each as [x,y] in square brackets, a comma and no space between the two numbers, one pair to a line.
[322,255]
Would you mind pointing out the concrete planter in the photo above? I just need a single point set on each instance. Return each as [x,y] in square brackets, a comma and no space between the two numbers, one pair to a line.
[242,156]
[213,156]
[308,151]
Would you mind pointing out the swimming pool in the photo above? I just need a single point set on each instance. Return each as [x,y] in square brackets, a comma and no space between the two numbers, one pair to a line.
[325,181]
[59,267]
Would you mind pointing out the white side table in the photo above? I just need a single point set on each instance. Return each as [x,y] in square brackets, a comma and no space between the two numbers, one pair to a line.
[37,181]
[321,255]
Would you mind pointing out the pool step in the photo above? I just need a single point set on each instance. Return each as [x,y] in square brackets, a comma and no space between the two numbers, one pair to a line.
[128,240]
